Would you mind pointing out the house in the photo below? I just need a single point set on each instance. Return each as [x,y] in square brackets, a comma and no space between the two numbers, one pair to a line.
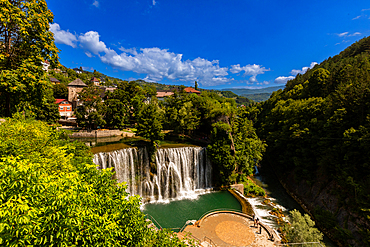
[45,65]
[74,88]
[65,108]
[162,94]
[191,90]
[95,81]
[78,71]
[54,80]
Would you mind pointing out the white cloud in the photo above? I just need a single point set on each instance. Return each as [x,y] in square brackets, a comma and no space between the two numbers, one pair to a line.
[90,42]
[130,50]
[357,17]
[158,64]
[61,36]
[154,2]
[252,70]
[355,34]
[283,79]
[342,34]
[89,54]
[96,3]
[294,72]
[303,70]
[347,34]
[365,9]
[263,83]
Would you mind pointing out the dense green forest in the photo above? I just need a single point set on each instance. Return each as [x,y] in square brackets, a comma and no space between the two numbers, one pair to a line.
[318,129]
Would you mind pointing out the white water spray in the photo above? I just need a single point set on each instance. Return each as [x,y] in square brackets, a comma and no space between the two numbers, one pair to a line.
[179,173]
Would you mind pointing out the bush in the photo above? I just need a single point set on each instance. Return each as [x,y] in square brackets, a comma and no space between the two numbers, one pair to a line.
[251,189]
[64,202]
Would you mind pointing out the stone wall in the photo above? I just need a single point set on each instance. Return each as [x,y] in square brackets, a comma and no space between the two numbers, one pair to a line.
[100,133]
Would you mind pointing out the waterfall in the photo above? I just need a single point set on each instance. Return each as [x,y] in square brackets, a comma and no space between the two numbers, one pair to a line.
[177,173]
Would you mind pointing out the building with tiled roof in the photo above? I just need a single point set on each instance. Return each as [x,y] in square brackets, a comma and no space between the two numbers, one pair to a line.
[54,80]
[74,88]
[191,90]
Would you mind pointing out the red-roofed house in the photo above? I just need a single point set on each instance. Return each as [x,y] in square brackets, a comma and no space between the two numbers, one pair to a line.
[191,90]
[96,81]
[65,108]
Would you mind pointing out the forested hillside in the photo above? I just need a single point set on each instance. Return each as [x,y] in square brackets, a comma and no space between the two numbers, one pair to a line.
[318,134]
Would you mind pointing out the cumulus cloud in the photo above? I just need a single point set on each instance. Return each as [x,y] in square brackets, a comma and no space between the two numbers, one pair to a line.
[252,70]
[283,79]
[90,43]
[96,3]
[63,37]
[154,2]
[303,70]
[158,64]
[129,51]
[294,72]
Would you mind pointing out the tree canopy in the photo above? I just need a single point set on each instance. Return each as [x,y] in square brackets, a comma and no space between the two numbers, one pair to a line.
[318,128]
[25,42]
[52,194]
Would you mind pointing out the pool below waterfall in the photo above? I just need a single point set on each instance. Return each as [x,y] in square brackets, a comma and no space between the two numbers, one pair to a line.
[176,213]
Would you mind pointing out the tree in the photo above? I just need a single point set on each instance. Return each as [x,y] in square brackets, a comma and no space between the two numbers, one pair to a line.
[91,113]
[196,85]
[116,115]
[60,91]
[149,122]
[52,194]
[25,42]
[301,229]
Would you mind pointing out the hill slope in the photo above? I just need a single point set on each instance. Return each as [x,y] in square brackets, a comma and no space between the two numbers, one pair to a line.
[318,135]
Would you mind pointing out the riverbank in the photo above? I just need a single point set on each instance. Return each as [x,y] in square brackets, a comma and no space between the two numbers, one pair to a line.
[100,133]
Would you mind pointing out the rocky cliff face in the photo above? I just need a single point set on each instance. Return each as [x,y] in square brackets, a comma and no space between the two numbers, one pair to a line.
[331,209]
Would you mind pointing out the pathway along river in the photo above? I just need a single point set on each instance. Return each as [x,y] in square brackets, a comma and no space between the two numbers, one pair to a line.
[175,213]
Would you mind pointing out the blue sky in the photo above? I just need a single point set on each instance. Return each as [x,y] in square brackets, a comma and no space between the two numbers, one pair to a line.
[219,43]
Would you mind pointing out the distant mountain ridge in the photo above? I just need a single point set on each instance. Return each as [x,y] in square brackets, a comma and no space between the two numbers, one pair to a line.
[245,91]
[257,95]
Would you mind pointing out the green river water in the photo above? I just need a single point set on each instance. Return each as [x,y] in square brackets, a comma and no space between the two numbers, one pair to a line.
[176,213]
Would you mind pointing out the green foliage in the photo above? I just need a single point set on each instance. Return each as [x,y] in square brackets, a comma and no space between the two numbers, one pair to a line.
[91,113]
[251,189]
[60,91]
[149,124]
[319,127]
[235,147]
[26,42]
[116,115]
[52,194]
[301,229]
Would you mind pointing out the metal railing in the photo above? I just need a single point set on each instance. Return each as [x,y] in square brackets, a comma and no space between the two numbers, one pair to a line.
[304,244]
[148,216]
[220,209]
[207,239]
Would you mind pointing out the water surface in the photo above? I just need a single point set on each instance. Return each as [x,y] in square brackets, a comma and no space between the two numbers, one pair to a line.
[175,213]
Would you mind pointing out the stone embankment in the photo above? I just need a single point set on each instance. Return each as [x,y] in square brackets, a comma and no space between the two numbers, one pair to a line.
[100,133]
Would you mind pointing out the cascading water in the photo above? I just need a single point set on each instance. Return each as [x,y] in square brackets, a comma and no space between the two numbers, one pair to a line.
[178,172]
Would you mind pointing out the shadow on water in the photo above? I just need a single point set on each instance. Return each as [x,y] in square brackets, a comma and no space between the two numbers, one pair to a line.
[277,194]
